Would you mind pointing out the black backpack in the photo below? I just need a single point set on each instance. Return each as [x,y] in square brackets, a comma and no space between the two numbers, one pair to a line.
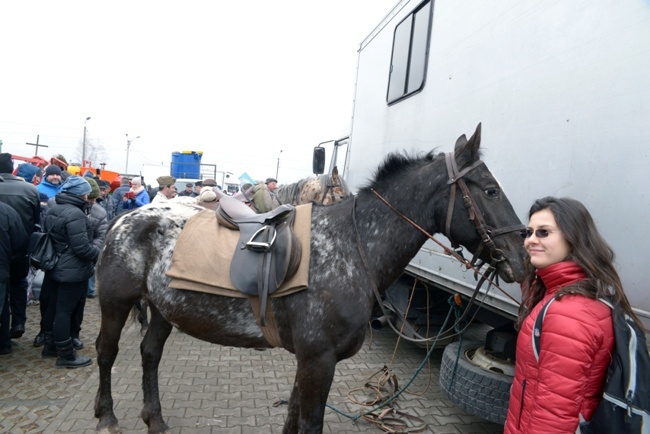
[625,407]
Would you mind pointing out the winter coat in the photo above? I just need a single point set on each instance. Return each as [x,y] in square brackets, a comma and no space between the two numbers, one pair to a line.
[118,194]
[22,197]
[48,188]
[141,199]
[71,232]
[98,224]
[566,384]
[264,199]
[13,239]
[108,203]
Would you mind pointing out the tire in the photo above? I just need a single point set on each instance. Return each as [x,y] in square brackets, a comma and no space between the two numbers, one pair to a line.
[479,392]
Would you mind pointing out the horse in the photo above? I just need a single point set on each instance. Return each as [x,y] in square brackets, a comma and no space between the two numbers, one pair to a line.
[359,246]
[325,189]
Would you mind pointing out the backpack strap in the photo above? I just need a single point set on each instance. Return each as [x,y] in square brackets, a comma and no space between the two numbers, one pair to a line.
[537,329]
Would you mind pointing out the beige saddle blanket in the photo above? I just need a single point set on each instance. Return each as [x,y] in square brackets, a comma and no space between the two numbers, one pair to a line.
[204,250]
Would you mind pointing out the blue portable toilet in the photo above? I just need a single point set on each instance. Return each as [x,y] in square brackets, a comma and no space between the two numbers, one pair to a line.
[186,164]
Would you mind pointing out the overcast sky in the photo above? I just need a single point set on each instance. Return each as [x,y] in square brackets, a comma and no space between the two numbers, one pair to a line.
[239,80]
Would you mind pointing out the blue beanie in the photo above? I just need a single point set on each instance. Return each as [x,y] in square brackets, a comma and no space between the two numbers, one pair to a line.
[76,185]
[27,171]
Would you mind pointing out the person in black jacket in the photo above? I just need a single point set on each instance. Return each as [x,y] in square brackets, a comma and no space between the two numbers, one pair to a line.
[65,285]
[13,243]
[23,197]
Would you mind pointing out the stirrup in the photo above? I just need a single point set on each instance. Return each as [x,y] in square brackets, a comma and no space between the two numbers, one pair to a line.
[260,246]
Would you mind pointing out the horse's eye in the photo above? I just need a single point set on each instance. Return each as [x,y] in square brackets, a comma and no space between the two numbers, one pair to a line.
[492,192]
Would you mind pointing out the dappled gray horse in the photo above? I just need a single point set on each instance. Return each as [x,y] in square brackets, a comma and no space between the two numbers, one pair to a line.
[324,323]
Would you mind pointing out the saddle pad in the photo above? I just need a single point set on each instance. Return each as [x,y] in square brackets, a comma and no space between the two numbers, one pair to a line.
[204,249]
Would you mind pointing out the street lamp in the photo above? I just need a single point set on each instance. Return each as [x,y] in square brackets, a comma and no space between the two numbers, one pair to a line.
[83,146]
[128,148]
[278,166]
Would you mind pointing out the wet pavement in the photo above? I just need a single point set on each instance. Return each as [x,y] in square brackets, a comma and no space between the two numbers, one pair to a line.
[210,389]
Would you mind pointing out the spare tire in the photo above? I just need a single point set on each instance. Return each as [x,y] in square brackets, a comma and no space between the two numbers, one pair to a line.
[479,392]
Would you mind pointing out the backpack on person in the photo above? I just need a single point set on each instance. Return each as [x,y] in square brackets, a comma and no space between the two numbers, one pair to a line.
[42,252]
[625,406]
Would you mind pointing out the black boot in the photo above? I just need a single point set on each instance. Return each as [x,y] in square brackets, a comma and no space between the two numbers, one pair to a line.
[49,349]
[67,356]
[39,340]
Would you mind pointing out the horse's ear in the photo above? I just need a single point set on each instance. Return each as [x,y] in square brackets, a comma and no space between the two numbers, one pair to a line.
[335,173]
[467,151]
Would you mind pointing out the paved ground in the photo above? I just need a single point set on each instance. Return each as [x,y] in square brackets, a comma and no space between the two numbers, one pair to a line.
[210,389]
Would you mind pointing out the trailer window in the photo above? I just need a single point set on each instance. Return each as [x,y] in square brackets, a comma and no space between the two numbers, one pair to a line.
[410,51]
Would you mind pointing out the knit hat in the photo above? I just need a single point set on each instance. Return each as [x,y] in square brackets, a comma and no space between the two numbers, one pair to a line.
[6,163]
[52,169]
[207,194]
[76,185]
[94,193]
[136,181]
[27,171]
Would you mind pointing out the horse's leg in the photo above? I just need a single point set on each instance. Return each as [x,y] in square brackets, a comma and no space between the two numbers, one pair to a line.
[107,346]
[314,379]
[291,424]
[151,350]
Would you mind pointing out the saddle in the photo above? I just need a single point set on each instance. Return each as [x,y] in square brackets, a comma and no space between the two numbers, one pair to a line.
[268,251]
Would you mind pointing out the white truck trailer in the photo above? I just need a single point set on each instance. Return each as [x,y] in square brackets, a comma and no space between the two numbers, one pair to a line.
[562,89]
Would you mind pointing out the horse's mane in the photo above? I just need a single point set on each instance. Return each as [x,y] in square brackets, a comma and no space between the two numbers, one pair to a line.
[291,193]
[399,162]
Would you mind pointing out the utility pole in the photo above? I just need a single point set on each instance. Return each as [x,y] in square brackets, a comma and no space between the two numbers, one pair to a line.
[128,148]
[36,144]
[83,146]
[277,169]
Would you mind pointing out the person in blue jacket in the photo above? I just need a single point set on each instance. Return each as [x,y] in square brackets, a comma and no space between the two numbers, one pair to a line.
[137,196]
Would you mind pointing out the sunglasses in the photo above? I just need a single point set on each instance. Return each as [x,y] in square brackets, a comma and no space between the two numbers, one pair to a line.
[539,233]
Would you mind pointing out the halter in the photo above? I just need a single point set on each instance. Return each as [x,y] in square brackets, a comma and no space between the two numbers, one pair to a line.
[485,232]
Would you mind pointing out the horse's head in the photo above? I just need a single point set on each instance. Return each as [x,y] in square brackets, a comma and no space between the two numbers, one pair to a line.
[492,229]
[325,189]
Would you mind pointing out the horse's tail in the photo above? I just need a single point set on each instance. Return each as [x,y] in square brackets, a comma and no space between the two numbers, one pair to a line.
[139,313]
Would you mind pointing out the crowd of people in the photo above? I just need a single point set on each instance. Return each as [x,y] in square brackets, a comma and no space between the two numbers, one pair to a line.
[76,211]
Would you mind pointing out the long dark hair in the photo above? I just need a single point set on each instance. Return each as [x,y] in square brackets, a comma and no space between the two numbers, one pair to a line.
[587,248]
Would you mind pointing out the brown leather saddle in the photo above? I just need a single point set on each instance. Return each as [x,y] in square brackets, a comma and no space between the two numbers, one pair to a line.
[267,253]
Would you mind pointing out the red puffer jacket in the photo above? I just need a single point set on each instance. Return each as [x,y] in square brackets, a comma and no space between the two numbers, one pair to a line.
[550,396]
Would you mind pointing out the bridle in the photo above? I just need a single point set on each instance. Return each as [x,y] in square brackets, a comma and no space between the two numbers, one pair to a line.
[487,233]
[330,189]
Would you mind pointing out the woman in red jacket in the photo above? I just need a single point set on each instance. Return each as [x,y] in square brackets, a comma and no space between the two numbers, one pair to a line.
[567,259]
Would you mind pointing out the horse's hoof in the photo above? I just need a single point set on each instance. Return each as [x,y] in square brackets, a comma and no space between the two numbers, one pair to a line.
[108,427]
[114,429]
